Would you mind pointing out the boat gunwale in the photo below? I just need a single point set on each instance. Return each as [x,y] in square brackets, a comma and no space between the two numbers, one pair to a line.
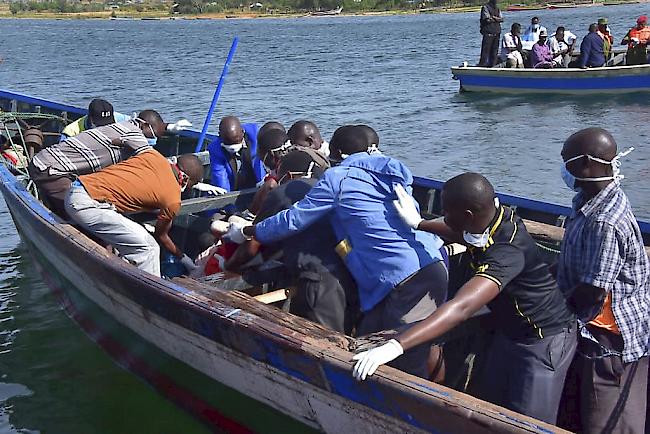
[273,327]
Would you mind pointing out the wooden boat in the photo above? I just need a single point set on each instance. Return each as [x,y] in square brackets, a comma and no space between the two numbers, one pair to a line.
[331,12]
[518,8]
[605,80]
[553,6]
[236,364]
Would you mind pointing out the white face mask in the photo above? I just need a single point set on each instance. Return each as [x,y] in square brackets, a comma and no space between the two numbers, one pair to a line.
[479,240]
[570,180]
[234,148]
[325,148]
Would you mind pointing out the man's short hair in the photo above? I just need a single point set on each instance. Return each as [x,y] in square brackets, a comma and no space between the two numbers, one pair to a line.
[470,191]
[350,139]
[151,117]
[299,161]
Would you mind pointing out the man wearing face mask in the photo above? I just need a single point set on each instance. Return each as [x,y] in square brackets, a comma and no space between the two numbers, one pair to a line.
[400,273]
[54,167]
[536,331]
[101,113]
[145,182]
[531,35]
[604,271]
[325,291]
[306,134]
[234,164]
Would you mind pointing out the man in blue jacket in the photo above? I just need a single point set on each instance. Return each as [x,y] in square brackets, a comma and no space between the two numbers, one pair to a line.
[399,272]
[591,49]
[233,156]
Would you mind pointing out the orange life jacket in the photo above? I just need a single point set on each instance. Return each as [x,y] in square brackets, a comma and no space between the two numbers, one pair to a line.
[643,35]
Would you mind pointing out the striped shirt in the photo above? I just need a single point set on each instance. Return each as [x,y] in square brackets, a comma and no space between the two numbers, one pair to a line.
[603,247]
[92,150]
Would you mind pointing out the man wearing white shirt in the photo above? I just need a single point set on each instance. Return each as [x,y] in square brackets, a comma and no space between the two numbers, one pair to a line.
[511,47]
[531,35]
[561,45]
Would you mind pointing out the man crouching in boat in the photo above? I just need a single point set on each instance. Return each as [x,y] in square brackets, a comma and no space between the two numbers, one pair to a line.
[399,272]
[54,168]
[324,289]
[145,182]
[536,331]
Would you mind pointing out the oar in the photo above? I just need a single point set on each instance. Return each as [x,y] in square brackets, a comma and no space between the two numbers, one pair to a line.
[217,92]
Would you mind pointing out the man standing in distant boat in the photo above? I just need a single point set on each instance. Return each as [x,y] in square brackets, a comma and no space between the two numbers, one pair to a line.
[145,182]
[511,49]
[233,156]
[591,50]
[491,30]
[604,272]
[636,40]
[608,39]
[535,337]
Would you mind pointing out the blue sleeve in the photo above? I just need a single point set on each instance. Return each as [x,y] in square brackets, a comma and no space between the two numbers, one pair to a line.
[63,138]
[585,52]
[251,131]
[316,205]
[218,172]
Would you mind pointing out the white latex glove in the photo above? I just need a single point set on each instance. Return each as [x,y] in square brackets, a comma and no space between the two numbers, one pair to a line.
[405,205]
[369,361]
[219,227]
[176,127]
[209,188]
[188,263]
[235,233]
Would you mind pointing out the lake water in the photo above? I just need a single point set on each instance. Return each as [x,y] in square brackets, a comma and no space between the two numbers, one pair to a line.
[389,72]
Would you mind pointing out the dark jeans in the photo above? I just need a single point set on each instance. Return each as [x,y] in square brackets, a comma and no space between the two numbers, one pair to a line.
[489,50]
[528,376]
[411,301]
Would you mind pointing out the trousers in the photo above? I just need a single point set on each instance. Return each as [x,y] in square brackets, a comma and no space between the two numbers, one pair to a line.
[131,240]
[528,376]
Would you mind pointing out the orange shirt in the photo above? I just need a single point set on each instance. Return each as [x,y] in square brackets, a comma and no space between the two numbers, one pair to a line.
[605,318]
[143,182]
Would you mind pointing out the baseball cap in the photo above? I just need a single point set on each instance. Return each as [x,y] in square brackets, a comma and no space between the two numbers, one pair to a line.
[101,112]
[642,19]
[543,33]
[602,21]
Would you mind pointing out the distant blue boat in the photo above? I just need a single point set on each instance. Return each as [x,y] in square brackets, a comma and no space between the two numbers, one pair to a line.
[611,79]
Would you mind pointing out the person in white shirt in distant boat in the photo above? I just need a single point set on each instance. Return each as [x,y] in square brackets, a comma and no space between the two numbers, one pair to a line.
[561,45]
[531,35]
[511,47]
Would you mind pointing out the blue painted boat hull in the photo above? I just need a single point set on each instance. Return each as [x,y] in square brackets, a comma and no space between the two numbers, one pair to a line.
[612,80]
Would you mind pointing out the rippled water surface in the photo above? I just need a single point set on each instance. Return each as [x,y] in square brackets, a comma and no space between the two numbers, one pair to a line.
[389,72]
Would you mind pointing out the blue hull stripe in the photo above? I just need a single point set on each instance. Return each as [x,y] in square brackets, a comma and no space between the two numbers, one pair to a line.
[587,83]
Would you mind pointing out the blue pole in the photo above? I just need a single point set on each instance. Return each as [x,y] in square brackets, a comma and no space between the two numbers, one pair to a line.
[217,92]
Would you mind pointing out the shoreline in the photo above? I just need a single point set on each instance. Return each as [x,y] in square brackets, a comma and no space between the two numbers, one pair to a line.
[238,15]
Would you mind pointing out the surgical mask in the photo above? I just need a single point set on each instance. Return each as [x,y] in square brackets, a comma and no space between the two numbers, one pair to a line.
[235,147]
[293,175]
[372,149]
[325,149]
[535,26]
[151,140]
[570,180]
[480,240]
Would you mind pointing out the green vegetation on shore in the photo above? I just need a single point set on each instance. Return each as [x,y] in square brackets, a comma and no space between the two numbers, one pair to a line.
[237,8]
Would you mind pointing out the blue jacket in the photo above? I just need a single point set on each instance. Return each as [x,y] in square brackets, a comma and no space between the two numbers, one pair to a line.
[591,51]
[358,197]
[221,172]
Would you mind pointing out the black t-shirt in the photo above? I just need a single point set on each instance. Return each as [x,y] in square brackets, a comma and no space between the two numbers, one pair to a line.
[317,242]
[530,303]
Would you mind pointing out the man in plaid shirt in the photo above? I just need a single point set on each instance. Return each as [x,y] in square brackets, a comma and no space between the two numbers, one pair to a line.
[604,271]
